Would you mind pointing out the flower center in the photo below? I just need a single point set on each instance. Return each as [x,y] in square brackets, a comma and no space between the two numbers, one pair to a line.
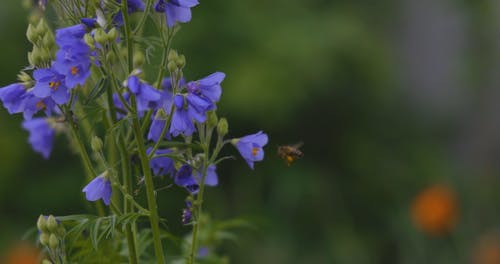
[41,105]
[255,151]
[54,85]
[74,70]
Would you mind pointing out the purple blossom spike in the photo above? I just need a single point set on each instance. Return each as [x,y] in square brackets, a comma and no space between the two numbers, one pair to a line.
[211,179]
[41,135]
[99,188]
[176,10]
[12,97]
[251,147]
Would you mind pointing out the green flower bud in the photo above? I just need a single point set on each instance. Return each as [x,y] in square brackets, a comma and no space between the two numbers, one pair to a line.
[24,77]
[112,35]
[52,224]
[172,55]
[42,27]
[35,57]
[212,119]
[139,59]
[100,36]
[44,239]
[61,231]
[46,261]
[41,224]
[172,66]
[32,35]
[111,57]
[89,40]
[53,241]
[96,144]
[222,127]
[27,4]
[181,61]
[45,55]
[48,40]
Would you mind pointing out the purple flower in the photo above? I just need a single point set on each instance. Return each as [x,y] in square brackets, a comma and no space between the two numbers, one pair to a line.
[156,128]
[73,56]
[99,188]
[32,105]
[50,84]
[12,97]
[208,87]
[147,96]
[250,147]
[191,179]
[41,135]
[121,110]
[176,10]
[211,179]
[181,121]
[89,22]
[162,166]
[198,107]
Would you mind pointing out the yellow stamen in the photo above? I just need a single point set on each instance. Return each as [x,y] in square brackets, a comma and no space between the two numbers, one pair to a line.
[41,105]
[54,85]
[74,70]
[255,151]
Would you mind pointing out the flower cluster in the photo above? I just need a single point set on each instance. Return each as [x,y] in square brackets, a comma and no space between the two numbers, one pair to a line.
[167,128]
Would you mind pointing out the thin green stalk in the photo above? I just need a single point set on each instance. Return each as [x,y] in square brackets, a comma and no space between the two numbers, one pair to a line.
[150,192]
[198,208]
[141,23]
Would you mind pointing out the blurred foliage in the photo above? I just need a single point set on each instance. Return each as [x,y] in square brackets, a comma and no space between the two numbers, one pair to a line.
[323,72]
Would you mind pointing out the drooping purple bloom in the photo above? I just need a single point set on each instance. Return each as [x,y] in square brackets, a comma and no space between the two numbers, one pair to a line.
[12,97]
[184,178]
[176,10]
[89,22]
[147,96]
[156,128]
[70,34]
[181,121]
[251,147]
[162,166]
[121,110]
[98,188]
[49,83]
[208,87]
[41,135]
[198,107]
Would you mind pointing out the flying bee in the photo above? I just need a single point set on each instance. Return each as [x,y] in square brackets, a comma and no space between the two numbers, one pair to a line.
[290,153]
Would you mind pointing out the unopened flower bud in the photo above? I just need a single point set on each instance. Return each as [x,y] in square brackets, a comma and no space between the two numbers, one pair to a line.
[41,224]
[48,40]
[222,127]
[112,35]
[172,66]
[52,224]
[181,61]
[31,34]
[172,55]
[212,119]
[89,40]
[44,239]
[139,59]
[111,57]
[42,27]
[46,261]
[96,144]
[24,77]
[45,55]
[53,241]
[100,36]
[61,231]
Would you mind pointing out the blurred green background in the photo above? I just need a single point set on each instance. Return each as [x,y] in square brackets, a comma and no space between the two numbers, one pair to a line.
[388,96]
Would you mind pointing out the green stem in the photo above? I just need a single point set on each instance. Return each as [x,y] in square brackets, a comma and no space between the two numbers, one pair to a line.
[144,17]
[198,207]
[150,192]
[128,36]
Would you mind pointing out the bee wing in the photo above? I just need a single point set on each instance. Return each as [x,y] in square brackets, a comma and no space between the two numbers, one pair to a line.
[298,145]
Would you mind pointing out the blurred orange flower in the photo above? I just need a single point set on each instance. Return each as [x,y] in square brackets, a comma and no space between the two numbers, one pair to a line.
[434,210]
[22,253]
[487,250]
